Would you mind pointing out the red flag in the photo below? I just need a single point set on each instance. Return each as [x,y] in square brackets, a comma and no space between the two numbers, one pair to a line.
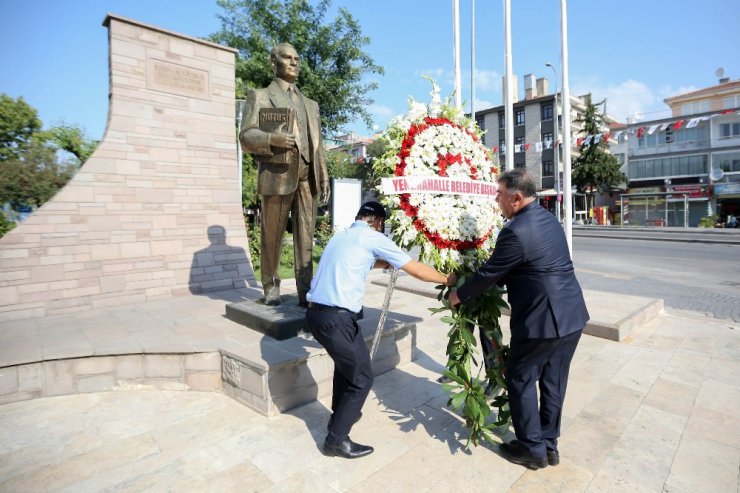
[640,131]
[678,124]
[725,112]
[494,149]
[606,136]
[526,147]
[579,141]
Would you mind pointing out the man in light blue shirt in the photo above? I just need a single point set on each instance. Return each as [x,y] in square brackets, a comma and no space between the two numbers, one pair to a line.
[335,298]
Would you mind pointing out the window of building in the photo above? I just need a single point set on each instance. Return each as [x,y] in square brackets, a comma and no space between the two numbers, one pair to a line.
[519,141]
[695,107]
[695,134]
[481,122]
[728,163]
[547,111]
[731,102]
[502,146]
[547,137]
[521,165]
[671,166]
[547,168]
[502,120]
[519,116]
[728,130]
[620,158]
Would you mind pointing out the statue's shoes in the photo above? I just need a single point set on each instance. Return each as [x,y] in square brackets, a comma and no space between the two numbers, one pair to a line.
[271,300]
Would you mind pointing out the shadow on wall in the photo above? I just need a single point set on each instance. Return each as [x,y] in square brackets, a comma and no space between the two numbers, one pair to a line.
[219,266]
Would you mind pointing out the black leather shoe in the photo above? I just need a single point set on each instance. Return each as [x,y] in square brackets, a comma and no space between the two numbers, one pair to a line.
[516,453]
[347,449]
[553,457]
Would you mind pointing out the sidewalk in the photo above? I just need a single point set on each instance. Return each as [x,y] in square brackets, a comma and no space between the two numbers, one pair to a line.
[659,411]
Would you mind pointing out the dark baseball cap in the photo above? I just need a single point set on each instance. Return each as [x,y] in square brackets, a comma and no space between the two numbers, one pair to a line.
[371,208]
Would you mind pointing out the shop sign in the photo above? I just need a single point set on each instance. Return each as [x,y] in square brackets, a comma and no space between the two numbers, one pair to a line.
[693,191]
[727,189]
[644,190]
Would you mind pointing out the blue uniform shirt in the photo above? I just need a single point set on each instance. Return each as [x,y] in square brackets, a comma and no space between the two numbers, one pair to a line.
[348,257]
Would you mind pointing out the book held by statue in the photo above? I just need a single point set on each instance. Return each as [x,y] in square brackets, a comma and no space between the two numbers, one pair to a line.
[277,120]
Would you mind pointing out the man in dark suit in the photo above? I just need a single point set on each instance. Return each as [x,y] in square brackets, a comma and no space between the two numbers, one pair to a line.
[287,189]
[548,314]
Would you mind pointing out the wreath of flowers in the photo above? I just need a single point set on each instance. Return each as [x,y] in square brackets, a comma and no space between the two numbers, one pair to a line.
[437,141]
[456,233]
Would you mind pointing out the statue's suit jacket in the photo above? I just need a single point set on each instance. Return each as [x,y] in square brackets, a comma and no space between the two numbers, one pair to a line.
[532,259]
[281,179]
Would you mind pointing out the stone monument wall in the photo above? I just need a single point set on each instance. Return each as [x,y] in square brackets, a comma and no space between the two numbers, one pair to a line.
[156,211]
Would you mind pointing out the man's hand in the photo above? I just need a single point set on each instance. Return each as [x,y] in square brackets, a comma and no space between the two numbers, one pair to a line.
[325,192]
[454,299]
[282,139]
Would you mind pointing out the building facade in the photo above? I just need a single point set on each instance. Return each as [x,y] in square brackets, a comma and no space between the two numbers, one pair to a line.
[694,153]
[536,139]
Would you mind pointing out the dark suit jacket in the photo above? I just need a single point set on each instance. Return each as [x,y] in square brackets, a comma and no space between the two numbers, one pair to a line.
[531,258]
[280,179]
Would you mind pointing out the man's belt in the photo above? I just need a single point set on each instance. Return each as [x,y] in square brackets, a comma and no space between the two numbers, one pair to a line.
[329,308]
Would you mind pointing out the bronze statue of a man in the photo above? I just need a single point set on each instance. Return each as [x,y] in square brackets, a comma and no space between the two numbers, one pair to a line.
[292,187]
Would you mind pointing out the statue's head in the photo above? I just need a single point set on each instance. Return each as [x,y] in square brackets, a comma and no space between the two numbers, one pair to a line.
[285,62]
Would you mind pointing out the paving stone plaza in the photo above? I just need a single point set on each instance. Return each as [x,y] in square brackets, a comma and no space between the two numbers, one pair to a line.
[119,370]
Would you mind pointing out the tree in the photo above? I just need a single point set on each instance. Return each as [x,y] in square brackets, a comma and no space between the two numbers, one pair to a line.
[341,165]
[72,138]
[333,63]
[30,169]
[595,169]
[18,123]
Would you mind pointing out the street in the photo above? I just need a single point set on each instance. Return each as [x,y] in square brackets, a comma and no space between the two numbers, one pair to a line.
[701,277]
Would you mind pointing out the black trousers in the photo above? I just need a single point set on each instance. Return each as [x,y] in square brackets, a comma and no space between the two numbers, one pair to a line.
[340,335]
[546,361]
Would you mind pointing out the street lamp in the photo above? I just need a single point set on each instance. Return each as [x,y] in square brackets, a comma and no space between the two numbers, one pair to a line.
[555,146]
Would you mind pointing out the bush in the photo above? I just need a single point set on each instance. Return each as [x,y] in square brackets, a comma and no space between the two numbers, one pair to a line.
[323,230]
[5,224]
[708,222]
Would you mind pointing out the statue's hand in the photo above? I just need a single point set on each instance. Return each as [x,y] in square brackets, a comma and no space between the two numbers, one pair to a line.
[282,139]
[324,197]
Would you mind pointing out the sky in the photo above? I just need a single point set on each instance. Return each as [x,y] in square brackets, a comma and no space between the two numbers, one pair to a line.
[54,53]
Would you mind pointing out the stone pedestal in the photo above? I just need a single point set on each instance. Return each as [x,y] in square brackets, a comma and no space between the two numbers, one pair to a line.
[279,322]
[279,375]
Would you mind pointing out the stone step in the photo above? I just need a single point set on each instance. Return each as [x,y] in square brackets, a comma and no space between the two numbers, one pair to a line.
[278,375]
[612,317]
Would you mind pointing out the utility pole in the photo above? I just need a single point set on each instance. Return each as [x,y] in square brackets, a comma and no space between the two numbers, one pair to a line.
[456,49]
[508,90]
[567,192]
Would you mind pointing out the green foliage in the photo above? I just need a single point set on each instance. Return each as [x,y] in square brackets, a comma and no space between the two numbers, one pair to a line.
[5,224]
[250,197]
[324,231]
[468,390]
[18,123]
[35,176]
[595,169]
[253,234]
[72,138]
[708,221]
[334,68]
[30,171]
[341,165]
[287,260]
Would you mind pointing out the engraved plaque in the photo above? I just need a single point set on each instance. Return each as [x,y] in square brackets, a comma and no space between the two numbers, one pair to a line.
[230,371]
[177,79]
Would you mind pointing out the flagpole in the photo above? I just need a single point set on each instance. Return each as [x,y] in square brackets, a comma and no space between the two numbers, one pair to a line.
[472,59]
[567,144]
[456,36]
[508,91]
